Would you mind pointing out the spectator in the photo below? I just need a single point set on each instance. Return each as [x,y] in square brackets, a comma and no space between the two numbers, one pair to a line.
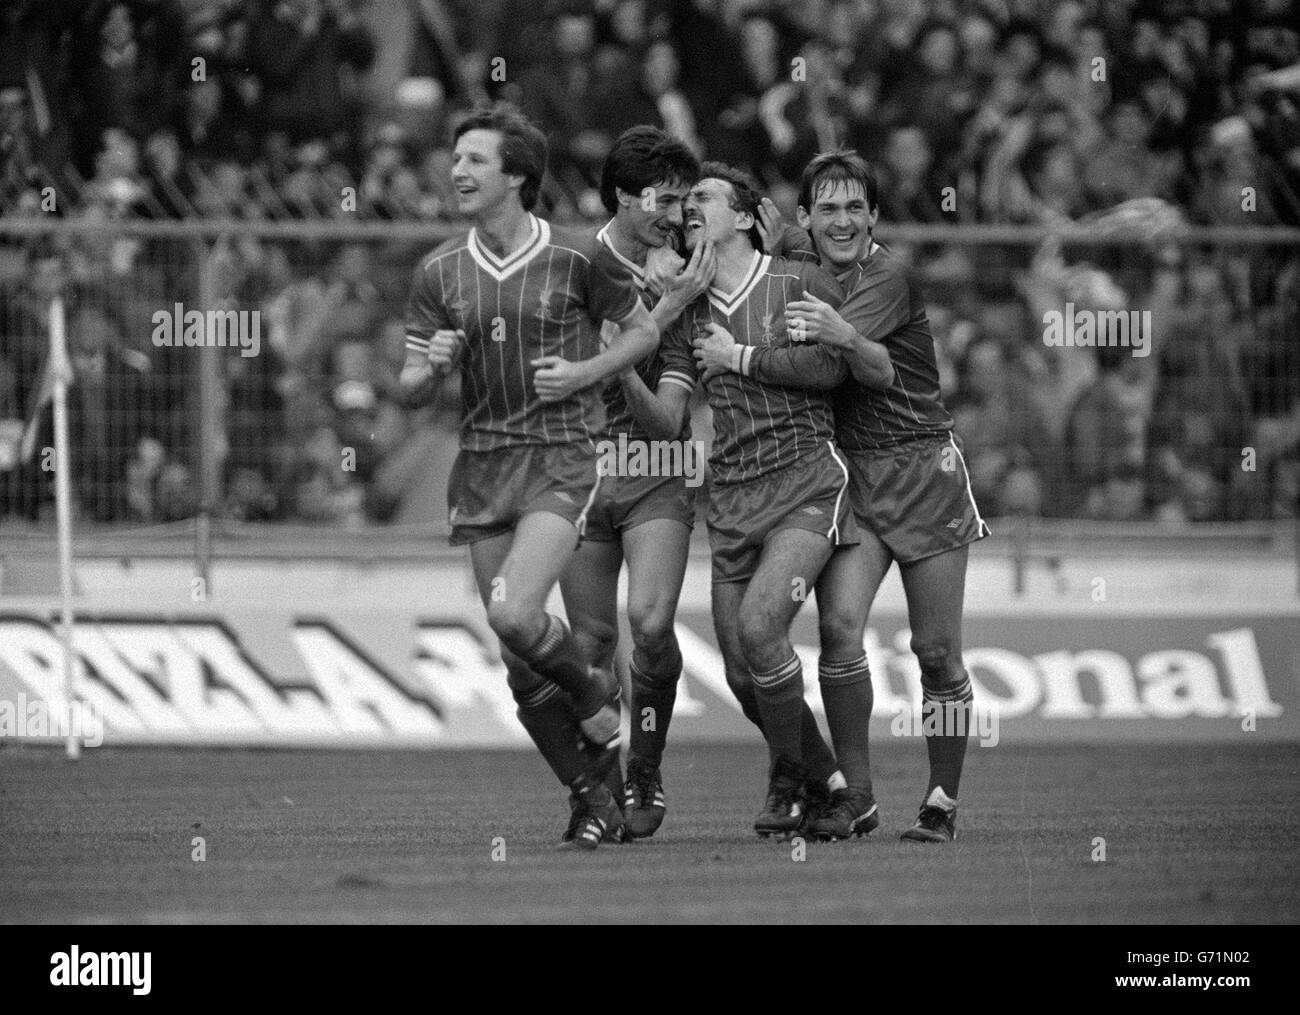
[1105,436]
[306,54]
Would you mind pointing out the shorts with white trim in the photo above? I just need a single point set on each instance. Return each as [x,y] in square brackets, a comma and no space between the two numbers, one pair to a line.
[489,491]
[624,502]
[811,494]
[916,497]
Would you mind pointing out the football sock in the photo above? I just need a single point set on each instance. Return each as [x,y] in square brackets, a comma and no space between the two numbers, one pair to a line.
[848,697]
[744,693]
[545,713]
[779,695]
[945,720]
[654,692]
[818,757]
[556,656]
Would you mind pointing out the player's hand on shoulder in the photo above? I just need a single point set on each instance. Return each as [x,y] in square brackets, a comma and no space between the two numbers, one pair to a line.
[444,347]
[714,350]
[557,378]
[812,319]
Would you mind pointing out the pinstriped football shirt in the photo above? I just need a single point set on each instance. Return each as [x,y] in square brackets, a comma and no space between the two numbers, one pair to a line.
[546,298]
[619,418]
[758,427]
[884,305]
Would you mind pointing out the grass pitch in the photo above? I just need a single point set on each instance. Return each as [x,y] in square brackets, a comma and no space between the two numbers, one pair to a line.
[1191,834]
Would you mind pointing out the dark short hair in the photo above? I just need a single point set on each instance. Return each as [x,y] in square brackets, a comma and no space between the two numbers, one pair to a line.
[745,194]
[843,166]
[523,146]
[641,157]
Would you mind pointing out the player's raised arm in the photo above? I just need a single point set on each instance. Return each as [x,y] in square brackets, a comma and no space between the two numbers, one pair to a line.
[431,344]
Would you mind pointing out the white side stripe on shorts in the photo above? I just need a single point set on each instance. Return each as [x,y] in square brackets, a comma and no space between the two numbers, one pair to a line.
[834,534]
[984,530]
[581,521]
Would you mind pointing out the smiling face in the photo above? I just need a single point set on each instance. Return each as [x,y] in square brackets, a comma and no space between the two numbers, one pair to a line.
[708,214]
[476,173]
[840,223]
[653,227]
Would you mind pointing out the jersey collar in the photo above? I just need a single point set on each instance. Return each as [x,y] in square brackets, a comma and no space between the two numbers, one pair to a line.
[728,302]
[638,272]
[501,268]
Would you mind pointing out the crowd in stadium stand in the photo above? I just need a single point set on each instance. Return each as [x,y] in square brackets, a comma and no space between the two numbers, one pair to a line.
[999,111]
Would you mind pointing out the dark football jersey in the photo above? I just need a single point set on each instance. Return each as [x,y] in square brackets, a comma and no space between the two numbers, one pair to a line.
[619,418]
[758,427]
[547,298]
[884,305]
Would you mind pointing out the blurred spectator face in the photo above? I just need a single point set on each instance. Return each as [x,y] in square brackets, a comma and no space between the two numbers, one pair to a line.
[733,10]
[820,68]
[1092,42]
[476,172]
[939,52]
[1054,124]
[1129,124]
[13,110]
[279,271]
[90,334]
[908,153]
[47,278]
[1159,95]
[354,264]
[758,43]
[1195,35]
[1022,54]
[1058,180]
[978,41]
[384,158]
[163,153]
[1206,294]
[354,361]
[119,158]
[1057,82]
[839,222]
[628,22]
[313,154]
[474,66]
[1006,93]
[209,40]
[574,34]
[841,26]
[1063,27]
[1146,40]
[230,180]
[404,191]
[660,69]
[117,30]
[203,98]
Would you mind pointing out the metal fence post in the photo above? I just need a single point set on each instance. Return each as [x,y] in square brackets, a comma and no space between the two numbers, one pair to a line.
[210,434]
